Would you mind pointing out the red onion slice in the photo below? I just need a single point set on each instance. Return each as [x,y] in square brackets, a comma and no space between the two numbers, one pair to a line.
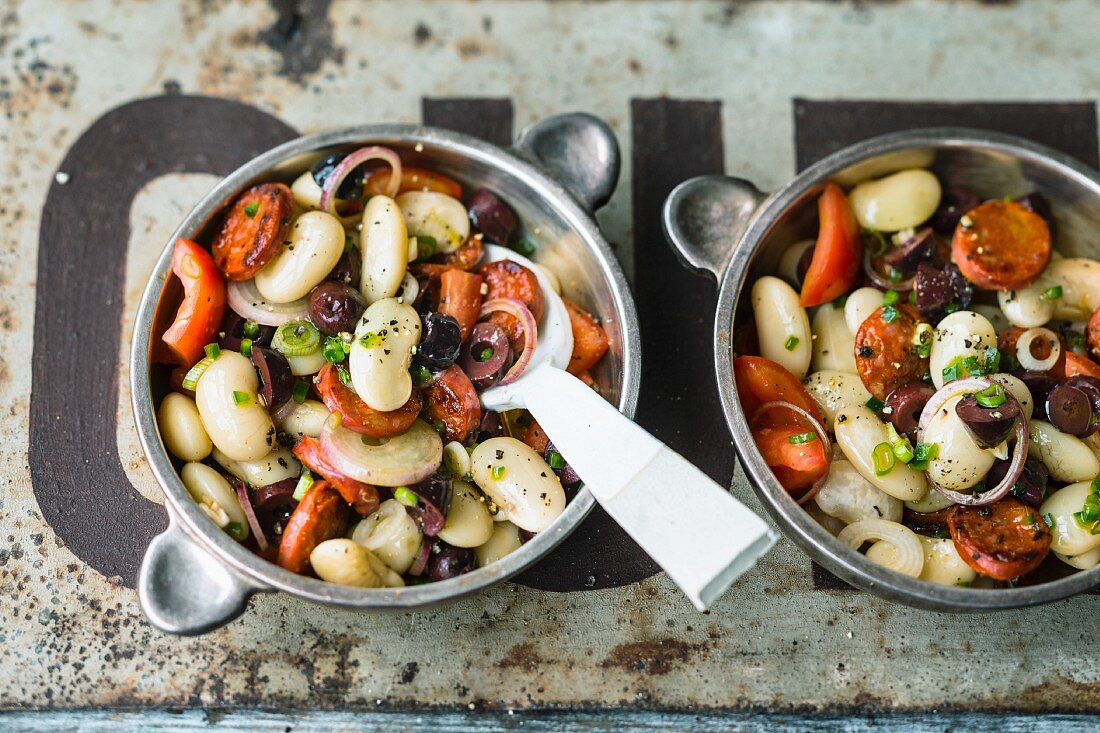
[283,411]
[353,161]
[526,319]
[399,461]
[822,435]
[884,282]
[246,504]
[245,299]
[970,385]
[420,562]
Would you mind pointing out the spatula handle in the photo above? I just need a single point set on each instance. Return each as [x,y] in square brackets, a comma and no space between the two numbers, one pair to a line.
[693,528]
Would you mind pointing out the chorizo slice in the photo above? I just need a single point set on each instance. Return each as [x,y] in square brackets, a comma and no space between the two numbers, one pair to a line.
[253,231]
[452,401]
[465,258]
[589,339]
[363,497]
[1000,245]
[321,515]
[1001,541]
[886,349]
[357,415]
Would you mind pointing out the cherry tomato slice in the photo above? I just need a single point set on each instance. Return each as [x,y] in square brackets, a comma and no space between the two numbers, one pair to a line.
[797,465]
[460,298]
[321,515]
[761,380]
[412,179]
[886,352]
[358,416]
[1003,540]
[1077,365]
[1000,245]
[363,497]
[589,339]
[452,400]
[203,305]
[253,231]
[838,253]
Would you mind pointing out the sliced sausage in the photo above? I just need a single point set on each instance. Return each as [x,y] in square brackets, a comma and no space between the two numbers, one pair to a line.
[253,231]
[465,257]
[589,339]
[1003,540]
[321,515]
[886,350]
[1000,245]
[357,415]
[453,402]
[508,279]
[363,497]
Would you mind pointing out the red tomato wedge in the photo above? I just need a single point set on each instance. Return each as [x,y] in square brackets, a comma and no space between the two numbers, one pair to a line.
[358,416]
[363,497]
[797,465]
[452,400]
[1000,245]
[203,305]
[412,179]
[589,339]
[838,253]
[761,380]
[1003,540]
[460,298]
[1083,366]
[321,515]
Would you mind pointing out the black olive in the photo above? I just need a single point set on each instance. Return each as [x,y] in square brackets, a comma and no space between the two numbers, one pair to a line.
[276,379]
[1070,410]
[989,426]
[352,186]
[904,404]
[440,342]
[348,268]
[231,332]
[335,307]
[954,203]
[913,251]
[450,562]
[492,217]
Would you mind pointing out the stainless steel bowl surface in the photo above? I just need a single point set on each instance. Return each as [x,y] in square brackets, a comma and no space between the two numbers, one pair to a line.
[726,227]
[196,578]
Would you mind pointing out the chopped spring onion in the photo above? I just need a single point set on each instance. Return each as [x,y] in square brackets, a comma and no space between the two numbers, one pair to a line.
[420,375]
[240,398]
[951,308]
[895,275]
[525,246]
[924,350]
[890,298]
[296,338]
[251,208]
[439,427]
[991,396]
[791,343]
[802,438]
[425,246]
[191,379]
[875,404]
[1053,293]
[923,454]
[971,365]
[213,351]
[305,483]
[951,371]
[250,328]
[555,459]
[485,354]
[903,449]
[345,376]
[301,389]
[883,458]
[406,496]
[992,360]
[235,530]
[1049,519]
[370,339]
[1075,339]
[498,472]
[246,347]
[334,350]
[889,314]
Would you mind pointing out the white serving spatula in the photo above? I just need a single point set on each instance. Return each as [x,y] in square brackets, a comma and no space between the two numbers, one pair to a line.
[693,528]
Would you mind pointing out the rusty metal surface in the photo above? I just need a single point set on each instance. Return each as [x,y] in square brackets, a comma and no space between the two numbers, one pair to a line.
[73,638]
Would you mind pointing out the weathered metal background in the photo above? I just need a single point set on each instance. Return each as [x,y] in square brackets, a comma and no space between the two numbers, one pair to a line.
[72,638]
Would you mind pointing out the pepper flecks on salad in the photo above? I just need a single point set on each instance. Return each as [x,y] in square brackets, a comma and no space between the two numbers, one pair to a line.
[923,377]
[330,347]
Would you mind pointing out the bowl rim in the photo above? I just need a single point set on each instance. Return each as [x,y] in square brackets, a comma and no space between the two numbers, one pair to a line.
[267,575]
[817,542]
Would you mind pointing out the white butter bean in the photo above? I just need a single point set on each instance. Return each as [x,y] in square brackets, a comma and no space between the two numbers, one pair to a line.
[899,201]
[1080,281]
[385,249]
[1016,387]
[345,562]
[1026,307]
[959,335]
[436,215]
[993,314]
[456,458]
[313,249]
[1084,561]
[961,463]
[504,541]
[519,481]
[306,364]
[833,391]
[278,465]
[858,431]
[849,497]
[1066,457]
[788,263]
[859,307]
[834,343]
[943,565]
[181,428]
[381,354]
[1069,537]
[781,322]
[307,193]
[391,534]
[305,419]
[243,432]
[215,497]
[468,521]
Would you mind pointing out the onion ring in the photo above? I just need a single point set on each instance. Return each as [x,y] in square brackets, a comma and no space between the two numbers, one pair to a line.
[402,460]
[905,541]
[410,288]
[245,299]
[351,162]
[246,504]
[420,562]
[822,435]
[970,385]
[1027,359]
[283,411]
[884,282]
[518,310]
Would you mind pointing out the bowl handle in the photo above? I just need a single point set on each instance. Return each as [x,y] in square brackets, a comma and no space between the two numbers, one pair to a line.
[705,217]
[185,590]
[578,150]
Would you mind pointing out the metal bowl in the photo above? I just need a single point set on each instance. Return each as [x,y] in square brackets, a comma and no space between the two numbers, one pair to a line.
[194,577]
[726,227]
